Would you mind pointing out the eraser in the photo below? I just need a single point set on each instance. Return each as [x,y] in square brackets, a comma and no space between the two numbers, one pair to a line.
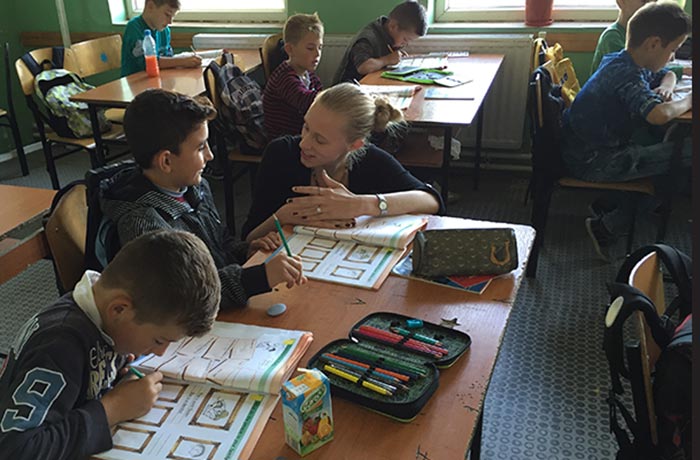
[276,309]
[414,323]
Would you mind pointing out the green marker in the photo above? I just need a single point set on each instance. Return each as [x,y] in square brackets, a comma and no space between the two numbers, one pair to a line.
[136,372]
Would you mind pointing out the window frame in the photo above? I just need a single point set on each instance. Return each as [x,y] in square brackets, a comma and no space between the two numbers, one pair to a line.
[238,16]
[518,14]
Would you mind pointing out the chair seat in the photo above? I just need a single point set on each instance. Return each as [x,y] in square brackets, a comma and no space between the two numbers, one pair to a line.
[116,132]
[115,115]
[640,186]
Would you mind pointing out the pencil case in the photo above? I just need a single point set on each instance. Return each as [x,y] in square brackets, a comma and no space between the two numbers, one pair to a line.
[372,363]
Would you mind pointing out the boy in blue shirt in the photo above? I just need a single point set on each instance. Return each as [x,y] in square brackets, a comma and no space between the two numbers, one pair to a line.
[157,16]
[381,42]
[630,89]
[64,384]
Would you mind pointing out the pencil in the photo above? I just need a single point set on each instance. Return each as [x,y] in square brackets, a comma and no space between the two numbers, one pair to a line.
[136,372]
[194,50]
[284,240]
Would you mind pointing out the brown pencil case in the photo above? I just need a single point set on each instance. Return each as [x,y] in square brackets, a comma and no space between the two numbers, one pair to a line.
[371,361]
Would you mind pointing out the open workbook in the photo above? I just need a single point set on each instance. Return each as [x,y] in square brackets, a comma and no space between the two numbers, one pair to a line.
[362,256]
[218,393]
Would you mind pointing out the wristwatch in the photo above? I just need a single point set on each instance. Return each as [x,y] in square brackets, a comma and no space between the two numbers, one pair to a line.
[382,205]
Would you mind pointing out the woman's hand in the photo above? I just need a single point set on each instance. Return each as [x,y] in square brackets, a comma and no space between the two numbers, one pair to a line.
[330,205]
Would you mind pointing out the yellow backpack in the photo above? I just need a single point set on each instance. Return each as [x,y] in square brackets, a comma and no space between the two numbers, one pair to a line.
[560,68]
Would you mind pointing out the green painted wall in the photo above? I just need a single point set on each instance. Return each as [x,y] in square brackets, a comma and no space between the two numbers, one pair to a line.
[339,17]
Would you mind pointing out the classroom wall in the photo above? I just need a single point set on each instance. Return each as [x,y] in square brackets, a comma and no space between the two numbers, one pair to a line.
[339,17]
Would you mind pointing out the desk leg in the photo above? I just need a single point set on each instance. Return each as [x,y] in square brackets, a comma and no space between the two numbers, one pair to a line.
[477,147]
[446,155]
[475,449]
[97,156]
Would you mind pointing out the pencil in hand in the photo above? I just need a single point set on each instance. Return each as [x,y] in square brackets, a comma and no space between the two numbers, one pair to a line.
[281,233]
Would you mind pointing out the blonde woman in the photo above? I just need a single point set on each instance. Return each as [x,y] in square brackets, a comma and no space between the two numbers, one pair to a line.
[330,174]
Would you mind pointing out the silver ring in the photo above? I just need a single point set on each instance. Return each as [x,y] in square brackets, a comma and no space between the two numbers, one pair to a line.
[318,209]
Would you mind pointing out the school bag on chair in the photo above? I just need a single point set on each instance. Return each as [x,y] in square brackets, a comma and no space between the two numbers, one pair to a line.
[241,115]
[54,86]
[668,414]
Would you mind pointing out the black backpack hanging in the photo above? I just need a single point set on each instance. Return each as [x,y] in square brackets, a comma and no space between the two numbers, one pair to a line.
[671,384]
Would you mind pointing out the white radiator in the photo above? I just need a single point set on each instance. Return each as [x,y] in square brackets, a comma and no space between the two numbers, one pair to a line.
[504,107]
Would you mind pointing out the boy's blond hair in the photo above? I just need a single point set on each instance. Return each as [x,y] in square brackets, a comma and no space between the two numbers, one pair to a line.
[170,277]
[298,25]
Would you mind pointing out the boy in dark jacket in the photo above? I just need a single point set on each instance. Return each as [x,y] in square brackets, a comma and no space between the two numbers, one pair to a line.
[58,400]
[167,134]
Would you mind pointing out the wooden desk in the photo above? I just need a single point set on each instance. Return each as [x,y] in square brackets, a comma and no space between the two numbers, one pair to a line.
[446,114]
[450,423]
[22,239]
[119,93]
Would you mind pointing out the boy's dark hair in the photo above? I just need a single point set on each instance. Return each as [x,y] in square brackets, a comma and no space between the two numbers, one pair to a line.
[665,20]
[158,119]
[410,15]
[170,277]
[171,3]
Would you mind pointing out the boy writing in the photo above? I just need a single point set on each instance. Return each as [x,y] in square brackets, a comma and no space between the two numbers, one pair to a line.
[380,43]
[631,88]
[57,398]
[167,134]
[157,16]
[293,85]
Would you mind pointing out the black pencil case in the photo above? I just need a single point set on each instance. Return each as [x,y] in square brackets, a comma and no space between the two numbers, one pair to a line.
[404,404]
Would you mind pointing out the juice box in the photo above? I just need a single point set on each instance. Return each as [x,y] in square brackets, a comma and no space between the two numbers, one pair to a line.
[306,407]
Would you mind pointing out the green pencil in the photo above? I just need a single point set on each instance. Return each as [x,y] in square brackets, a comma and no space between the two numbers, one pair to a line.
[279,230]
[136,372]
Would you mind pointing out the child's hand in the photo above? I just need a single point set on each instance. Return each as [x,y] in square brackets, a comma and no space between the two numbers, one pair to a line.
[132,398]
[125,369]
[191,61]
[394,58]
[269,242]
[284,269]
[665,92]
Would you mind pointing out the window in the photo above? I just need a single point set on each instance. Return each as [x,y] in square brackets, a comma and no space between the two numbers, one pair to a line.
[514,10]
[223,10]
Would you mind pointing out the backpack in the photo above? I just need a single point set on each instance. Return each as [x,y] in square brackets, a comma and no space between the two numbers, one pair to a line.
[671,380]
[561,68]
[54,86]
[241,107]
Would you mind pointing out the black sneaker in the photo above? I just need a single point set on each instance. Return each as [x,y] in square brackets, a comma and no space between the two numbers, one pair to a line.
[600,236]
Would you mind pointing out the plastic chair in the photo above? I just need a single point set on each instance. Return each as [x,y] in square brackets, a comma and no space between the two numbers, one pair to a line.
[92,57]
[228,160]
[272,54]
[47,136]
[8,117]
[66,230]
[548,171]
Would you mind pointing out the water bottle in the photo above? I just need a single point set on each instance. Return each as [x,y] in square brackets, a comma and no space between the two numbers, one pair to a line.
[150,54]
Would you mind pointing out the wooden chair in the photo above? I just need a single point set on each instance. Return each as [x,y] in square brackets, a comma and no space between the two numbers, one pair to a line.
[47,136]
[546,149]
[272,54]
[8,117]
[648,278]
[234,164]
[66,230]
[96,56]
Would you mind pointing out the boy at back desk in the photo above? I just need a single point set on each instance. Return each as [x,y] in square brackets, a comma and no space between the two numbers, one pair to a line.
[58,400]
[381,42]
[157,16]
[167,135]
[293,85]
[631,88]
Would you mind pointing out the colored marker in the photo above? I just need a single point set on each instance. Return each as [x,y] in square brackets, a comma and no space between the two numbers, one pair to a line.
[136,372]
[353,379]
[420,337]
[284,240]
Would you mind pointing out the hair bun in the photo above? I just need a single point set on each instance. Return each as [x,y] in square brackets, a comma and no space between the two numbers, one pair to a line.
[385,114]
